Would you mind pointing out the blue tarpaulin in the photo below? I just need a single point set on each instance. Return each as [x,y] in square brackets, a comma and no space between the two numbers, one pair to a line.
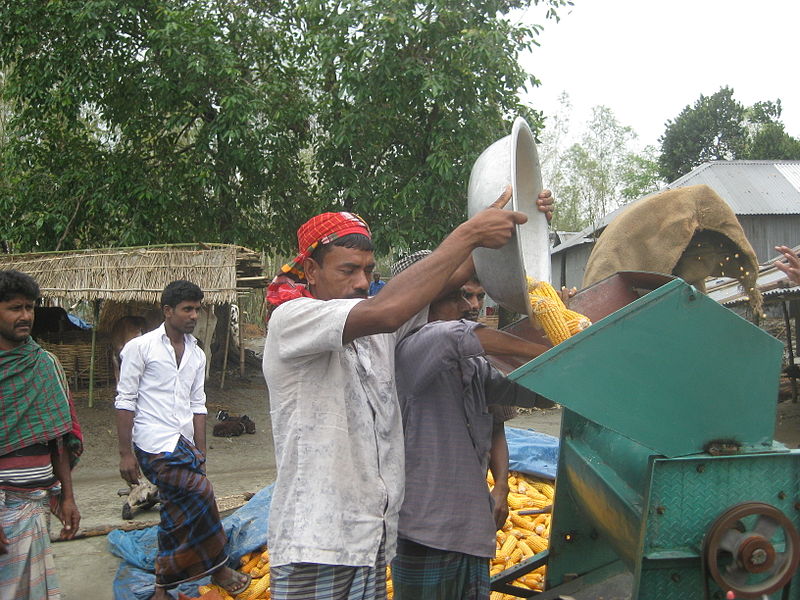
[135,580]
[529,451]
[532,452]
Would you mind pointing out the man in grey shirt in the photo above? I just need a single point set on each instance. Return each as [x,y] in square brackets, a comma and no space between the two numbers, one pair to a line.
[447,531]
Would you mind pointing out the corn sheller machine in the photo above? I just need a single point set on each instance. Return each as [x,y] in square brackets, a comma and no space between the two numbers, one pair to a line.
[668,469]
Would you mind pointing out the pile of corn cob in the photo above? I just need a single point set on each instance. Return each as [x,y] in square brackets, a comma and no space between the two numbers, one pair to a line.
[558,322]
[255,563]
[523,536]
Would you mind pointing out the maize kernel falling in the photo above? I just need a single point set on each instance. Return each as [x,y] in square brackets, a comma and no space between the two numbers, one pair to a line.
[558,322]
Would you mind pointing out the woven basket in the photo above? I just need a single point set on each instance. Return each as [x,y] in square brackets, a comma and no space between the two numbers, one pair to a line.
[76,359]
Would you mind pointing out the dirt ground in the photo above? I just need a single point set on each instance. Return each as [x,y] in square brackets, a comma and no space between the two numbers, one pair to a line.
[236,466]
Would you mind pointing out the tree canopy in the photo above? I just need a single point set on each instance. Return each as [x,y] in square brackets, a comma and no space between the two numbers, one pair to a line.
[597,173]
[718,127]
[147,122]
[234,120]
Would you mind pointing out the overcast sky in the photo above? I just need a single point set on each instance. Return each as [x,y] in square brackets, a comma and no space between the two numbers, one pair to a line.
[648,59]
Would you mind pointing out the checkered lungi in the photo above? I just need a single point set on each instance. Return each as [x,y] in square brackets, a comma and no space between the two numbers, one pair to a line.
[191,539]
[27,570]
[310,581]
[423,573]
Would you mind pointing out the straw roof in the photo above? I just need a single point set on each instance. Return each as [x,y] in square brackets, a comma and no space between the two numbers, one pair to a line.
[124,274]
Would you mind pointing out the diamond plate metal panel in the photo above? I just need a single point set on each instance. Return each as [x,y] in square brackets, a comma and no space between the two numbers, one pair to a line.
[687,495]
[670,584]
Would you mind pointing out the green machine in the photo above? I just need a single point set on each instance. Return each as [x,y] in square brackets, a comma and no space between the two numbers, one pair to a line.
[667,468]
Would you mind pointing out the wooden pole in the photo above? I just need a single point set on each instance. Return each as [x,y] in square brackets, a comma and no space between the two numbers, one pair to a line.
[105,530]
[241,345]
[227,347]
[96,304]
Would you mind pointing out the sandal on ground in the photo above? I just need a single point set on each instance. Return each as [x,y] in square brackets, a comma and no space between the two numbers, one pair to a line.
[235,585]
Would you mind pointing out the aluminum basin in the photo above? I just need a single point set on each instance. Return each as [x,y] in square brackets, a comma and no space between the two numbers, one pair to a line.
[512,160]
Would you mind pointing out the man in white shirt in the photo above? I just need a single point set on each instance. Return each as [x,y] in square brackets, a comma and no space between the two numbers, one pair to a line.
[329,366]
[161,418]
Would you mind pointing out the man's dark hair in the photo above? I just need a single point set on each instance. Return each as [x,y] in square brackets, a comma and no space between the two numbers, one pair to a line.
[474,279]
[180,291]
[15,283]
[352,240]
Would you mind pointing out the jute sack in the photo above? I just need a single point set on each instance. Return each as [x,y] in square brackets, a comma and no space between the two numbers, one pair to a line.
[689,232]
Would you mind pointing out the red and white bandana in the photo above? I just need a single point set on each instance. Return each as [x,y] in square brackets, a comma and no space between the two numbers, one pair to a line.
[322,229]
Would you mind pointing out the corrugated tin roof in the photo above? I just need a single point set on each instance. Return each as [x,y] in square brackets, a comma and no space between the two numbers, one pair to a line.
[584,237]
[750,187]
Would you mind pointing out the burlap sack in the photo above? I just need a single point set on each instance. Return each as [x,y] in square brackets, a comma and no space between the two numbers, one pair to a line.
[689,232]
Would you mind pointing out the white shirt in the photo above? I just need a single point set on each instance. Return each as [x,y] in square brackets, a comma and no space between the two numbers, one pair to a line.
[338,436]
[164,396]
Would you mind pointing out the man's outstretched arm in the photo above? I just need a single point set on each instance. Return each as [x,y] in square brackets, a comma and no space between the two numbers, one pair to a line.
[416,287]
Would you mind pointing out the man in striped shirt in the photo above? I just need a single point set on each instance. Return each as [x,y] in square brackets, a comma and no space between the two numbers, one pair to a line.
[39,443]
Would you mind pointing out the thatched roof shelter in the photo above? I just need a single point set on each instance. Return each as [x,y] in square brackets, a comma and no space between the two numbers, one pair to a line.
[126,277]
[140,274]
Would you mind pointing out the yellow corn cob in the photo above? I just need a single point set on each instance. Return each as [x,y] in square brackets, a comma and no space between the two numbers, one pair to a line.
[537,543]
[546,489]
[515,556]
[526,550]
[518,501]
[524,522]
[574,326]
[261,571]
[490,478]
[508,546]
[251,563]
[521,534]
[582,320]
[532,579]
[257,590]
[544,289]
[521,501]
[553,323]
[203,589]
[522,584]
[558,322]
[532,492]
[263,559]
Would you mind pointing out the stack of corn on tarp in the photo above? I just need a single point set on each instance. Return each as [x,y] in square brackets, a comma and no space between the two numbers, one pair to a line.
[521,537]
[529,452]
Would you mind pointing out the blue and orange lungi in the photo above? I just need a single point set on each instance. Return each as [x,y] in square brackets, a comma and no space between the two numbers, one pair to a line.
[191,540]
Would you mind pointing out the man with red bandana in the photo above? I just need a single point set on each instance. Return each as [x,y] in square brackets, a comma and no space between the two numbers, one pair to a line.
[329,367]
